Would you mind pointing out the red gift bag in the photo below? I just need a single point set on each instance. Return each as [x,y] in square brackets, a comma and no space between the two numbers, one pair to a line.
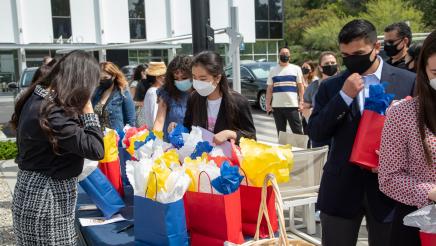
[368,140]
[213,219]
[427,239]
[250,203]
[113,173]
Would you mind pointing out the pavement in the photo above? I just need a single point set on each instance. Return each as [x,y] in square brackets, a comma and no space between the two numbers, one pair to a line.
[266,132]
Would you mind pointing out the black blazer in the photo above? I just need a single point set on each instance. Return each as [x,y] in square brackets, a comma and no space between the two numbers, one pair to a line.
[343,184]
[243,124]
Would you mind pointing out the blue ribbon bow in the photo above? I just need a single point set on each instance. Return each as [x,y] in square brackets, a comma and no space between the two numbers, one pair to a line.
[200,148]
[229,180]
[378,100]
[175,136]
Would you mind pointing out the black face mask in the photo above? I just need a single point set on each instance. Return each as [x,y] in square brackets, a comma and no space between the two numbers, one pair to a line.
[359,63]
[284,58]
[329,70]
[305,70]
[391,49]
[106,83]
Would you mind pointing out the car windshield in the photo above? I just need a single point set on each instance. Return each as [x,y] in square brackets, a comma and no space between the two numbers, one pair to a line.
[27,77]
[261,71]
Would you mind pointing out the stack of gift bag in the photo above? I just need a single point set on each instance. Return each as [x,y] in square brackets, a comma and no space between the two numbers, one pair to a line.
[189,191]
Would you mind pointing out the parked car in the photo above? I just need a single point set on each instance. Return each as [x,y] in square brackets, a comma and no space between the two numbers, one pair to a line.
[128,71]
[253,81]
[25,80]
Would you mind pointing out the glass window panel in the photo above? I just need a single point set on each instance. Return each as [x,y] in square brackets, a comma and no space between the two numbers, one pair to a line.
[136,9]
[272,58]
[133,61]
[261,30]
[248,49]
[245,73]
[143,53]
[137,29]
[60,8]
[156,53]
[260,47]
[260,57]
[62,27]
[276,30]
[272,49]
[261,9]
[246,57]
[133,53]
[275,10]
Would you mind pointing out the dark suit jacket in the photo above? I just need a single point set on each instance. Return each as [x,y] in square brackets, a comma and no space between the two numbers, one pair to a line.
[243,124]
[343,184]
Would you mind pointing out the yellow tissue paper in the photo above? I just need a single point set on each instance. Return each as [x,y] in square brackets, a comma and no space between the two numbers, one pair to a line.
[258,160]
[156,181]
[110,146]
[168,158]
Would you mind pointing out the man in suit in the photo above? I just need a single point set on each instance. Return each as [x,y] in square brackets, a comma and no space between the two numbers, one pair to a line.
[347,192]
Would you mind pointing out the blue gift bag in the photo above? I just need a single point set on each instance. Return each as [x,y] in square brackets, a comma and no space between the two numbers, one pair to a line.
[159,224]
[102,193]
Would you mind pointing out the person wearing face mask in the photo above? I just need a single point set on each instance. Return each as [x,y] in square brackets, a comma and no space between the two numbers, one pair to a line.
[347,192]
[173,96]
[412,56]
[213,105]
[408,150]
[309,73]
[112,100]
[328,67]
[284,94]
[139,84]
[398,37]
[156,76]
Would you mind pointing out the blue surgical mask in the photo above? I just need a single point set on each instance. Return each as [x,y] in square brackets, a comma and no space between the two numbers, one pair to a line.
[183,85]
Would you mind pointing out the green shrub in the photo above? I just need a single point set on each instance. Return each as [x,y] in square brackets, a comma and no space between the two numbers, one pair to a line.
[8,150]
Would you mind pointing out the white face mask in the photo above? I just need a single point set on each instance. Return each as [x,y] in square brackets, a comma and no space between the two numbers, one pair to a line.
[204,88]
[433,83]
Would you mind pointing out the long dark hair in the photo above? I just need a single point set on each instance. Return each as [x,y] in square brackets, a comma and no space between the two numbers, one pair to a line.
[426,94]
[182,63]
[138,70]
[214,65]
[72,80]
[42,71]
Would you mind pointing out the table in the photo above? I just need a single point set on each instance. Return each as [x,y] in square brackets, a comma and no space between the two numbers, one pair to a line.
[105,234]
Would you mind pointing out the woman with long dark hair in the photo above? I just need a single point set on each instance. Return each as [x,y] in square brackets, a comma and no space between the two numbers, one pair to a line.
[139,75]
[214,106]
[112,100]
[174,94]
[56,129]
[407,171]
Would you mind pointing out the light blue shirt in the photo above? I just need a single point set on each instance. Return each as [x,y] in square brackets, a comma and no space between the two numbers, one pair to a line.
[369,79]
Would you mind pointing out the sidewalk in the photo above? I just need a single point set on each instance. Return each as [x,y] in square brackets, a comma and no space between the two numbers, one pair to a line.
[8,173]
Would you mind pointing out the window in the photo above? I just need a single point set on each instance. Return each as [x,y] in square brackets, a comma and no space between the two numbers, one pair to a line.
[61,16]
[269,19]
[245,74]
[137,19]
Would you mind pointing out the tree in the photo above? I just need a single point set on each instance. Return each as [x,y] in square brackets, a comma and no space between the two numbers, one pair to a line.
[380,12]
[428,7]
[385,12]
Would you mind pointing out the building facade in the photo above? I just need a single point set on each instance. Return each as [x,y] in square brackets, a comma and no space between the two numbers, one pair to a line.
[32,29]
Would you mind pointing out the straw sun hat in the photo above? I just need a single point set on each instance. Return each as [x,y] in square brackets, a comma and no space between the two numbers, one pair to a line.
[156,69]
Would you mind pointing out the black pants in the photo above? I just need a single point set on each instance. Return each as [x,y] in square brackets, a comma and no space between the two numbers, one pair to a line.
[401,234]
[290,115]
[338,231]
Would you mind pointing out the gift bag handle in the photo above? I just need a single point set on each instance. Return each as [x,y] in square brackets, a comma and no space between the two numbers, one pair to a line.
[263,211]
[210,182]
[146,189]
[245,175]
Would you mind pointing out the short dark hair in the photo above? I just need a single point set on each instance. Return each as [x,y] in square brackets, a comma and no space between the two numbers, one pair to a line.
[402,29]
[284,47]
[358,29]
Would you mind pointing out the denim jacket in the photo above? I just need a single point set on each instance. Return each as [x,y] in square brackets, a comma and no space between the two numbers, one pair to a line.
[120,107]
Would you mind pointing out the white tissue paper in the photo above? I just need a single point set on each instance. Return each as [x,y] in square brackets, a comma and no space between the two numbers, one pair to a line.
[212,171]
[176,185]
[190,142]
[424,218]
[138,173]
[88,167]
